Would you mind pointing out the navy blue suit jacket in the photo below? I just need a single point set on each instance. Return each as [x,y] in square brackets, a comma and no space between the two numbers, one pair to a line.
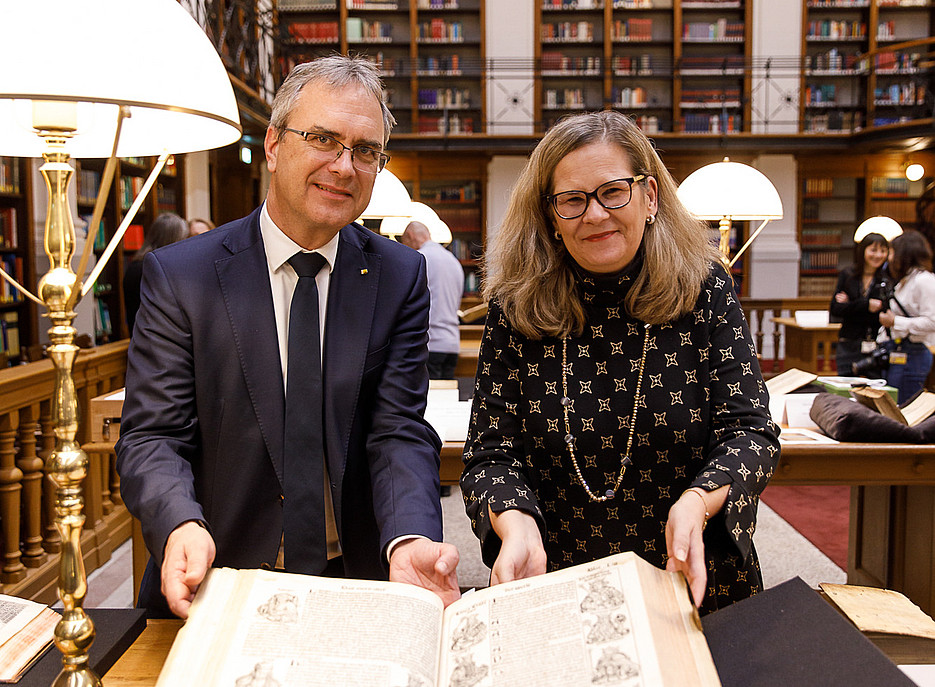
[202,426]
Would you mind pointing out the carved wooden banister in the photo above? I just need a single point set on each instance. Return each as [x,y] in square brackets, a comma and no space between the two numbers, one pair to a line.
[30,542]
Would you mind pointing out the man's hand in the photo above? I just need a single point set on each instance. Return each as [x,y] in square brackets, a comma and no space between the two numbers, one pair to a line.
[521,552]
[427,564]
[189,553]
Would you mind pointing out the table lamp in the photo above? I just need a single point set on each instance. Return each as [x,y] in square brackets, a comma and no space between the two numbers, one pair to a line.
[887,227]
[389,198]
[419,212]
[726,191]
[127,79]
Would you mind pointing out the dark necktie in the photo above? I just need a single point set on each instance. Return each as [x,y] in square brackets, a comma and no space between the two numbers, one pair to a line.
[305,541]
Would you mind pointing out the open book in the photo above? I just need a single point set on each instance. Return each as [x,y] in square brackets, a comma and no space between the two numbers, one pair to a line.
[615,621]
[920,408]
[898,627]
[27,629]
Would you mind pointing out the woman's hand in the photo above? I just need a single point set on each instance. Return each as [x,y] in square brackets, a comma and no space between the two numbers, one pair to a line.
[684,543]
[840,297]
[521,552]
[887,319]
[874,305]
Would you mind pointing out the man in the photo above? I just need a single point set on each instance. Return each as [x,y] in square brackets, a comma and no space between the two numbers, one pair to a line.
[446,283]
[206,449]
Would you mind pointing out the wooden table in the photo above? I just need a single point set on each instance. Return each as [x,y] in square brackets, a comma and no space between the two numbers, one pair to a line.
[809,348]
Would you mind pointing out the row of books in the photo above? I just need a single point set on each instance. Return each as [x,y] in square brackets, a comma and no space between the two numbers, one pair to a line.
[307,5]
[9,236]
[720,30]
[372,5]
[906,93]
[897,187]
[649,124]
[834,121]
[628,65]
[710,96]
[570,98]
[466,250]
[9,175]
[833,60]
[819,187]
[820,236]
[314,31]
[835,4]
[461,192]
[629,97]
[103,326]
[897,62]
[820,260]
[441,30]
[632,30]
[445,97]
[166,199]
[572,5]
[460,219]
[570,64]
[836,29]
[720,63]
[129,189]
[364,30]
[440,63]
[471,282]
[9,333]
[557,32]
[819,94]
[452,124]
[711,124]
[88,183]
[438,5]
[12,265]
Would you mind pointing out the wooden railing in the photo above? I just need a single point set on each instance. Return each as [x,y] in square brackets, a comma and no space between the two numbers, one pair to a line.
[760,313]
[29,541]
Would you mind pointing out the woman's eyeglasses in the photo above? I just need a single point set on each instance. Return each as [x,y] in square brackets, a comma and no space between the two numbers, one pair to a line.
[611,195]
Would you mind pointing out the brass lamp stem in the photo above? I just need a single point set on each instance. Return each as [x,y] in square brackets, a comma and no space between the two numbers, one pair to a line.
[724,244]
[67,465]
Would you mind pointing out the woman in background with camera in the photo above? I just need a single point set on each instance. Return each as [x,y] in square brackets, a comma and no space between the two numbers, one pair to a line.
[858,301]
[909,322]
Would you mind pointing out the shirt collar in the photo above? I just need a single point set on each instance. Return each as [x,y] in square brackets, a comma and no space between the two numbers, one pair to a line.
[279,247]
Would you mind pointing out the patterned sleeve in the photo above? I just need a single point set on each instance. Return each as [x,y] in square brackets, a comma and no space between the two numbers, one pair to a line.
[494,474]
[743,449]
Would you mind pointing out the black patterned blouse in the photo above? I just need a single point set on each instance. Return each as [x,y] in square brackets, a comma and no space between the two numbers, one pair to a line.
[702,420]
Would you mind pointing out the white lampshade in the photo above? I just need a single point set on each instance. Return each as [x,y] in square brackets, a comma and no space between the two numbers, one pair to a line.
[915,171]
[730,190]
[420,212]
[887,227]
[389,199]
[150,55]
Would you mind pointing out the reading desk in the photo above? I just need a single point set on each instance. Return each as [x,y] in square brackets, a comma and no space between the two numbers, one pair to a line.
[809,348]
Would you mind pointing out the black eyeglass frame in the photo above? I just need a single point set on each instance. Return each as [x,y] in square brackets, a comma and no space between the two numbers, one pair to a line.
[382,158]
[588,195]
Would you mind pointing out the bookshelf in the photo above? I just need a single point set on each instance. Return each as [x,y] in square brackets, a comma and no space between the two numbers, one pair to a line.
[454,188]
[862,63]
[167,196]
[18,317]
[431,54]
[829,214]
[675,66]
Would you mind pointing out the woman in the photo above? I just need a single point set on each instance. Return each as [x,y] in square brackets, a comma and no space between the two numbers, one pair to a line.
[618,403]
[857,302]
[909,322]
[168,228]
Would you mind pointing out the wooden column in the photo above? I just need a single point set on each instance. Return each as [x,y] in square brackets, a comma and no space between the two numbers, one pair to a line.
[31,466]
[11,478]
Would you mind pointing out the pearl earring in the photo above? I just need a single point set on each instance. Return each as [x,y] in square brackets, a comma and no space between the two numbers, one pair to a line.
[651,219]
[558,237]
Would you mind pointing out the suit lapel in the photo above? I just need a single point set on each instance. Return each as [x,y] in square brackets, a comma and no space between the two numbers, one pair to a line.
[352,297]
[244,280]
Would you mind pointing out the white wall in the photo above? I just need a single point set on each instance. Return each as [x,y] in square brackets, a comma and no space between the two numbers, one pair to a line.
[197,186]
[502,173]
[777,32]
[510,33]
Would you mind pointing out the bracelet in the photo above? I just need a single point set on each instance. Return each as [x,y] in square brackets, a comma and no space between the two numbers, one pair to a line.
[697,492]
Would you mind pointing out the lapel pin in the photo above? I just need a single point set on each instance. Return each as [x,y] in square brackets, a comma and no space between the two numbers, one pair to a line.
[363,271]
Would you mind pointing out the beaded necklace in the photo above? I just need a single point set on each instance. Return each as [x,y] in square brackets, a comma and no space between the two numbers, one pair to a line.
[570,438]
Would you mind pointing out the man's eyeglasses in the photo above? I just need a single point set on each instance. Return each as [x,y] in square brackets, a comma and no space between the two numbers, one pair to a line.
[364,158]
[611,195]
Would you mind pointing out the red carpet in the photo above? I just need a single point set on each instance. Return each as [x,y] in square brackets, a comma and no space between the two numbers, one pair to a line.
[820,514]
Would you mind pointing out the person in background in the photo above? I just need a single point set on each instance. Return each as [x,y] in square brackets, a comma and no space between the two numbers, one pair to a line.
[276,381]
[199,226]
[858,300]
[446,283]
[908,325]
[619,404]
[168,228]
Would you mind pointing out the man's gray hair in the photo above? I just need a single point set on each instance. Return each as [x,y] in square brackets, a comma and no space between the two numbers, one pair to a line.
[337,71]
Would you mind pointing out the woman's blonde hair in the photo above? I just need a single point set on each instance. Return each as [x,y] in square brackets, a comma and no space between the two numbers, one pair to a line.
[531,273]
